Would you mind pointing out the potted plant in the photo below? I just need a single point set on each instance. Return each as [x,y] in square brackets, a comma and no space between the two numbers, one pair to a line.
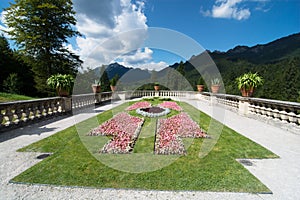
[113,83]
[62,83]
[96,86]
[215,85]
[248,82]
[156,86]
[200,84]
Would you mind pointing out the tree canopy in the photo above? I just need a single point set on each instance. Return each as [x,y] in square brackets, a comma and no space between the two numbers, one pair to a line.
[41,30]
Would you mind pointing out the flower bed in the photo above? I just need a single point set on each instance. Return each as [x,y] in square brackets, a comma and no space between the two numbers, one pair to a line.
[170,104]
[142,104]
[170,130]
[125,130]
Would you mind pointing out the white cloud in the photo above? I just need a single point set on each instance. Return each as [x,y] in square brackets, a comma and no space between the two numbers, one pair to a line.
[105,36]
[137,57]
[231,9]
[149,65]
[141,58]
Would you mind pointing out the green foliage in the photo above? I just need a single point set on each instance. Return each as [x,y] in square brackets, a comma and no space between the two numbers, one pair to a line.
[200,81]
[180,68]
[40,30]
[105,83]
[7,97]
[215,81]
[249,80]
[12,63]
[11,84]
[114,80]
[61,81]
[97,83]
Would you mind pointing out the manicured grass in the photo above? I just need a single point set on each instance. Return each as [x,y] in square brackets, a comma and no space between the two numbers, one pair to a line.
[6,97]
[73,163]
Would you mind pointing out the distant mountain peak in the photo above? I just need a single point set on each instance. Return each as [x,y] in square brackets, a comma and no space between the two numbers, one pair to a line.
[264,53]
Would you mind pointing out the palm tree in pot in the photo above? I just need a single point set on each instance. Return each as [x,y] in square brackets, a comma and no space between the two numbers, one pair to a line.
[62,83]
[113,83]
[96,87]
[215,85]
[200,84]
[248,82]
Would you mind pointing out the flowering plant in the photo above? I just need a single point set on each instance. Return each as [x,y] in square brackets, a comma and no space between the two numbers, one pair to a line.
[171,104]
[170,130]
[142,104]
[125,130]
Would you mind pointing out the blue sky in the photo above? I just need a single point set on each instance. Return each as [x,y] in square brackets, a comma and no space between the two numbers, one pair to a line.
[214,24]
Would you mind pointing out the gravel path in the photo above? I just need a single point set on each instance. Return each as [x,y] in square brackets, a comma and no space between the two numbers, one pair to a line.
[280,175]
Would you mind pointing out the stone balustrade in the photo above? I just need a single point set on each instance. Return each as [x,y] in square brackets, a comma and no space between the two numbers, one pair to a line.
[85,100]
[286,112]
[282,113]
[19,113]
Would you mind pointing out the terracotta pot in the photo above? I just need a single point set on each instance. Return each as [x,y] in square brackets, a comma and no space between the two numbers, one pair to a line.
[247,92]
[113,88]
[200,88]
[215,88]
[63,92]
[156,87]
[96,88]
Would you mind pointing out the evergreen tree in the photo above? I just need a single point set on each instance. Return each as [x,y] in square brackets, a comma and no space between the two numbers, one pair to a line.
[104,80]
[41,29]
[180,80]
[180,68]
[292,79]
[12,63]
[5,61]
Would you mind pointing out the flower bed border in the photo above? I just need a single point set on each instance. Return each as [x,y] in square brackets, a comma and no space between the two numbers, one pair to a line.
[152,115]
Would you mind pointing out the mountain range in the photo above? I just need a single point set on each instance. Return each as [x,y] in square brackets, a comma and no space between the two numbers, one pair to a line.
[278,62]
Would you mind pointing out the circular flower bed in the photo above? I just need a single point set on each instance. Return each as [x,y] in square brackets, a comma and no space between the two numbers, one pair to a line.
[153,111]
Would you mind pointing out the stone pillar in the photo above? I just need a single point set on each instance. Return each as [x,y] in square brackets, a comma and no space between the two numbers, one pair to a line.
[244,106]
[67,104]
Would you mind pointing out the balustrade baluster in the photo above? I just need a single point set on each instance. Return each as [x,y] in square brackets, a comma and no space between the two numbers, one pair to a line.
[269,112]
[283,115]
[1,119]
[9,116]
[292,117]
[18,114]
[276,114]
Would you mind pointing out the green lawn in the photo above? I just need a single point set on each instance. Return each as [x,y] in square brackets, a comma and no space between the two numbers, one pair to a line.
[6,97]
[75,160]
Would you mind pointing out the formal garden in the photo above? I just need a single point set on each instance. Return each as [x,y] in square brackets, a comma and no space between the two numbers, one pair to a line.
[151,144]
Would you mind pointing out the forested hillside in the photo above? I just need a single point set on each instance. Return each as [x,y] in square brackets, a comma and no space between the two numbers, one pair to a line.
[277,62]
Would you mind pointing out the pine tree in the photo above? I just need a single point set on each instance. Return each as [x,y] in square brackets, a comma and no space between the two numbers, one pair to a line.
[104,80]
[181,78]
[41,29]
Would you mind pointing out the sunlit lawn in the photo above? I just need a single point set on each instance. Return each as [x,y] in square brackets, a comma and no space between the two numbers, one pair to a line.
[73,165]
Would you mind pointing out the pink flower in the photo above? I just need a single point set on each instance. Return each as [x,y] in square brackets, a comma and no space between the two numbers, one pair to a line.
[124,128]
[171,104]
[142,104]
[170,131]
